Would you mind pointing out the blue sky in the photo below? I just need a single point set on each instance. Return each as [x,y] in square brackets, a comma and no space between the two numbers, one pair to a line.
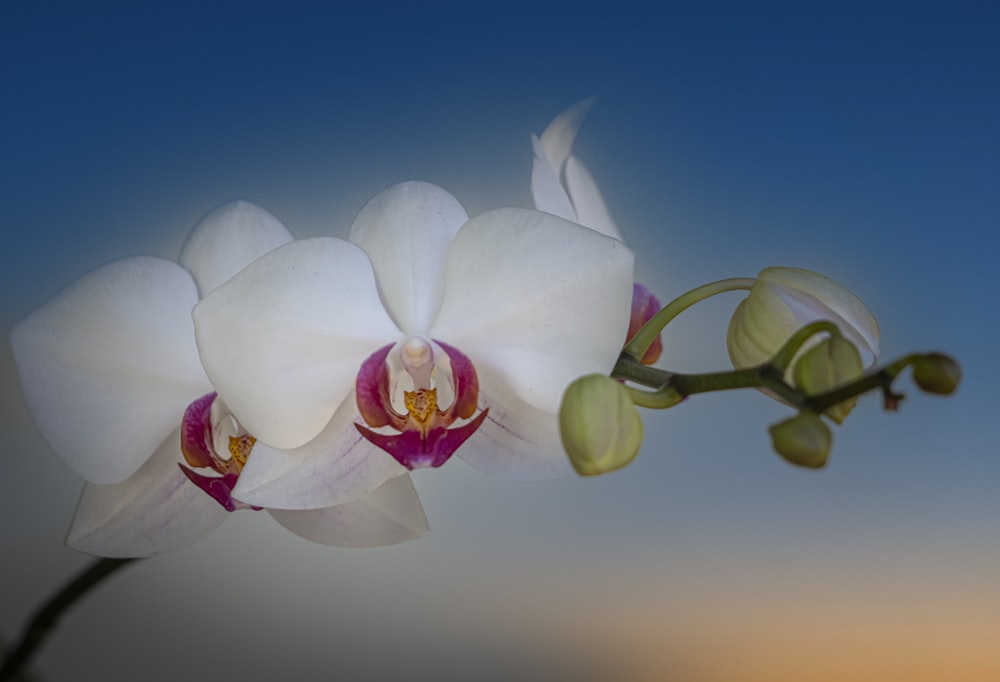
[858,139]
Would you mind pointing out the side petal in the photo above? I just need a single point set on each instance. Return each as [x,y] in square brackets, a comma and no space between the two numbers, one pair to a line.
[536,300]
[406,231]
[591,210]
[516,440]
[558,136]
[227,240]
[335,467]
[547,190]
[155,510]
[386,516]
[109,365]
[283,340]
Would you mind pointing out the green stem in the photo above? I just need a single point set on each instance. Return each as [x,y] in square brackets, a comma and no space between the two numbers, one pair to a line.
[47,617]
[645,337]
[670,388]
[783,358]
[882,380]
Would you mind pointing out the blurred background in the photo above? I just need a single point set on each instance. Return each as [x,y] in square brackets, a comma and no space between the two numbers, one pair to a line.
[857,139]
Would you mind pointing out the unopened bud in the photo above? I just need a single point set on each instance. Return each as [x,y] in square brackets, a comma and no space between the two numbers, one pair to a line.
[828,364]
[600,427]
[936,373]
[783,300]
[803,440]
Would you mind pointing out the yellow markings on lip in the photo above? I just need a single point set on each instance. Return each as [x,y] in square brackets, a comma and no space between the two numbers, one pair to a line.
[239,449]
[421,404]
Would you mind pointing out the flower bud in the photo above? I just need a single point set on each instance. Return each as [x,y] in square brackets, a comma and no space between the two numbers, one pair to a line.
[936,373]
[828,364]
[783,300]
[600,427]
[803,440]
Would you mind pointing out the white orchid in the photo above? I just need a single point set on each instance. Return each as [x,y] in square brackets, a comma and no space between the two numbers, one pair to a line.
[424,334]
[562,185]
[109,367]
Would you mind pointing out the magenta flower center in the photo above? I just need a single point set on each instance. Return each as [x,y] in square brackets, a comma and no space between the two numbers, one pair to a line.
[416,391]
[212,439]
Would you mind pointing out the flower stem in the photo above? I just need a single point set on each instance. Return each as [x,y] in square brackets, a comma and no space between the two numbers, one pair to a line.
[644,338]
[670,388]
[47,617]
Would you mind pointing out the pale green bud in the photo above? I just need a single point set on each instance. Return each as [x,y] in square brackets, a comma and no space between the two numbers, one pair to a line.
[782,301]
[803,440]
[936,373]
[600,427]
[828,364]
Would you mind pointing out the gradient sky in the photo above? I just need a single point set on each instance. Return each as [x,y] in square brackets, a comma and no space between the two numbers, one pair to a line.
[858,139]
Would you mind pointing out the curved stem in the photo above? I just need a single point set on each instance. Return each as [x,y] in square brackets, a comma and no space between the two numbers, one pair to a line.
[644,338]
[46,618]
[783,358]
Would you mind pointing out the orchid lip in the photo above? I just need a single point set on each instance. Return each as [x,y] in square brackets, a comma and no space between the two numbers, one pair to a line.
[419,388]
[208,428]
[417,451]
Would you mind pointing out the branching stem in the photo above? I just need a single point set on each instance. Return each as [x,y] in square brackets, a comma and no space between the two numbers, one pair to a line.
[47,617]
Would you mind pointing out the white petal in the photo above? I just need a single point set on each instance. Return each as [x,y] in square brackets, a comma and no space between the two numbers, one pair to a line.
[591,211]
[547,190]
[227,240]
[536,300]
[335,467]
[109,365]
[283,340]
[156,510]
[386,516]
[516,440]
[557,138]
[406,231]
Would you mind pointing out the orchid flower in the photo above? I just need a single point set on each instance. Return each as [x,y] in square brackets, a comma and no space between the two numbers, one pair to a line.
[425,334]
[562,185]
[110,370]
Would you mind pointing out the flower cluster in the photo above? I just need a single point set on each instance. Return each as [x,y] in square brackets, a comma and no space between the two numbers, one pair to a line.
[308,378]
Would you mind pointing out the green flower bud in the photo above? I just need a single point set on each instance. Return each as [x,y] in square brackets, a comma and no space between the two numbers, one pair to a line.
[782,301]
[828,364]
[600,427]
[803,440]
[936,373]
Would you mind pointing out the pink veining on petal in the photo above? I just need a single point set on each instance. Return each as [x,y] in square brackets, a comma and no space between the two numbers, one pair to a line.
[219,488]
[466,382]
[372,388]
[644,306]
[416,452]
[196,432]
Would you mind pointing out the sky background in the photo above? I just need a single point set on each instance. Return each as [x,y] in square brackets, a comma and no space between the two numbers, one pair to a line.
[857,139]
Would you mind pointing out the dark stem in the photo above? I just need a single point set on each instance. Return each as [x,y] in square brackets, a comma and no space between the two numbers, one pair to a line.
[48,616]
